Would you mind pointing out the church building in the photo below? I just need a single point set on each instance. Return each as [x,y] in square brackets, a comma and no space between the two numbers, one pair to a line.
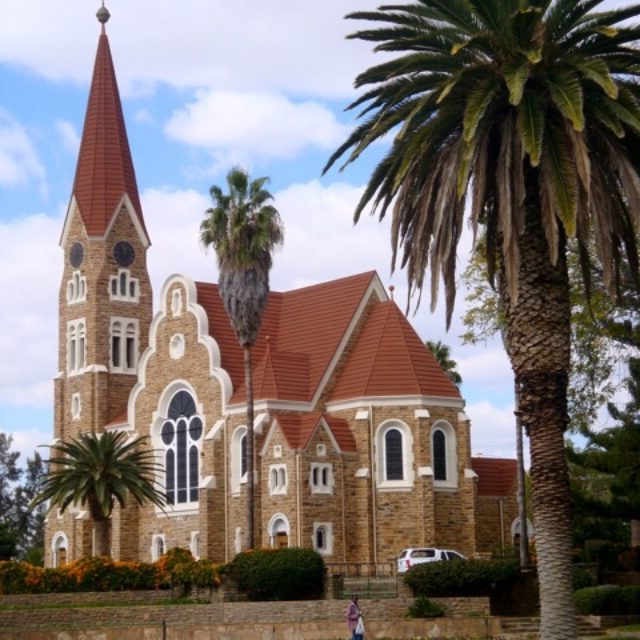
[362,445]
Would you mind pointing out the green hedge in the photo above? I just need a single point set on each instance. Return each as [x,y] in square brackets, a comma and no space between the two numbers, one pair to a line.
[608,600]
[425,608]
[460,577]
[279,574]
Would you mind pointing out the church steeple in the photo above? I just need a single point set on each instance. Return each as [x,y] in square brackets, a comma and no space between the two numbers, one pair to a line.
[104,173]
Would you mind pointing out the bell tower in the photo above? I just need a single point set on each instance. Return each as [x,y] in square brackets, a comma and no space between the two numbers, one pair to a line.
[105,299]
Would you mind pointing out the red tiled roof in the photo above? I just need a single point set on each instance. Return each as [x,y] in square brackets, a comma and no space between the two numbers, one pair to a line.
[304,328]
[104,172]
[389,359]
[496,476]
[298,429]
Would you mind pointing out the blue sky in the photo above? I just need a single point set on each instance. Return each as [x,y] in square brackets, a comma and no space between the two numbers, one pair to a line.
[205,85]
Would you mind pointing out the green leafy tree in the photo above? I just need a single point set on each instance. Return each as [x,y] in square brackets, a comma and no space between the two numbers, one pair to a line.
[10,474]
[615,454]
[244,228]
[531,108]
[442,353]
[97,471]
[31,519]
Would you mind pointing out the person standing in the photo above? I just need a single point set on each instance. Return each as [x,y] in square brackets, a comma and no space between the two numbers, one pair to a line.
[353,614]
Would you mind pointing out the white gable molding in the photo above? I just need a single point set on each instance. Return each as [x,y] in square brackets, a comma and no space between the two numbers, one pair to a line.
[215,369]
[74,210]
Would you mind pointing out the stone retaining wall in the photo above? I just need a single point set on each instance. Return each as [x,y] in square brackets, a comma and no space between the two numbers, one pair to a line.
[306,620]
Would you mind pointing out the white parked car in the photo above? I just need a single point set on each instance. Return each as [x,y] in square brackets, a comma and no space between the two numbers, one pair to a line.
[410,557]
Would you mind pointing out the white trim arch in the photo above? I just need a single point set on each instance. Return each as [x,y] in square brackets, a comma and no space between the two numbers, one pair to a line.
[59,543]
[444,455]
[394,456]
[278,529]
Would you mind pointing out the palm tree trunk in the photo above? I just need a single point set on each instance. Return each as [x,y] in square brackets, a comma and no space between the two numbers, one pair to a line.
[248,380]
[538,328]
[635,533]
[525,560]
[102,530]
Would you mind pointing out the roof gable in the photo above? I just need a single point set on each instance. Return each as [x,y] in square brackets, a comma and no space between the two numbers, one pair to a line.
[298,430]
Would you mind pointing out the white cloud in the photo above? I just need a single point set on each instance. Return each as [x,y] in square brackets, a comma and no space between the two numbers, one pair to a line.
[29,280]
[68,135]
[19,163]
[493,430]
[26,441]
[276,44]
[247,125]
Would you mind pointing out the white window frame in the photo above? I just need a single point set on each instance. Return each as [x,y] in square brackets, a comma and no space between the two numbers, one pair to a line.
[76,346]
[179,508]
[127,330]
[76,406]
[451,455]
[76,288]
[58,542]
[273,529]
[123,283]
[278,479]
[194,544]
[156,539]
[321,478]
[406,483]
[237,478]
[327,528]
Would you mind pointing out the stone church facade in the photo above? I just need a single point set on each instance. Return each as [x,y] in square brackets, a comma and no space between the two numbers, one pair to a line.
[362,444]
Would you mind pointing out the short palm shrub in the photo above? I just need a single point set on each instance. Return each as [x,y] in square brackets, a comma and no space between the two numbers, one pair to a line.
[608,600]
[425,608]
[460,577]
[279,574]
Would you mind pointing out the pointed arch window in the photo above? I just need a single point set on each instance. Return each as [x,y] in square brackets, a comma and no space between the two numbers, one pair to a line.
[239,462]
[444,458]
[181,435]
[394,456]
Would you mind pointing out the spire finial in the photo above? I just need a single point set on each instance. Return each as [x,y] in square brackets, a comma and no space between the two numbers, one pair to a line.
[103,15]
[391,290]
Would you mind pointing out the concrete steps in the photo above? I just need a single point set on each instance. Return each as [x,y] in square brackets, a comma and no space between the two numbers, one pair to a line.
[529,628]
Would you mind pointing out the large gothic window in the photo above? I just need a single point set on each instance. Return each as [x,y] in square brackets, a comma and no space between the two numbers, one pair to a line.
[181,435]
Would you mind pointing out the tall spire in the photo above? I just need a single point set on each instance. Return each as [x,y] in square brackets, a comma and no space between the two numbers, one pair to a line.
[105,172]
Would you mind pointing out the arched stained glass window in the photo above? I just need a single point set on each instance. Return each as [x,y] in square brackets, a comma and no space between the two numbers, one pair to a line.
[181,434]
[439,455]
[393,455]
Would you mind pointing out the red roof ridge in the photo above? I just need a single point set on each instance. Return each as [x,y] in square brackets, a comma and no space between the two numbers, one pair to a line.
[402,325]
[104,173]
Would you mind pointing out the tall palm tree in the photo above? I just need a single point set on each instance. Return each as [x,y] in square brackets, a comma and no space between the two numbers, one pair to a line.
[442,353]
[532,109]
[98,470]
[244,229]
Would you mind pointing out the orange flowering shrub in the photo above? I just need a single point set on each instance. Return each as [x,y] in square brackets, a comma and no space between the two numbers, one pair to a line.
[177,569]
